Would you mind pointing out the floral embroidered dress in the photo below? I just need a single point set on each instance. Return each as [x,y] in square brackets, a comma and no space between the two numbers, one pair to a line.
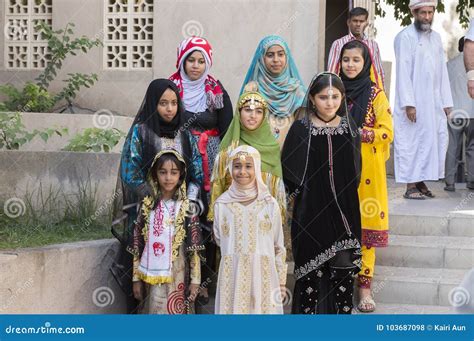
[369,107]
[325,227]
[162,265]
[166,246]
[376,136]
[252,266]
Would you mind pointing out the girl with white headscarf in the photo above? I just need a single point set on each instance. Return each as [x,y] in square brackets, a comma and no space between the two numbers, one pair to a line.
[248,229]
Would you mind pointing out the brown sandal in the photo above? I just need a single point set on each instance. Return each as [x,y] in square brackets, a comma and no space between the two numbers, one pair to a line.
[421,186]
[412,193]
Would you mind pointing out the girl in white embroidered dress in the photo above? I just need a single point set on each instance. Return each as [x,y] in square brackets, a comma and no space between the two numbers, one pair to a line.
[248,229]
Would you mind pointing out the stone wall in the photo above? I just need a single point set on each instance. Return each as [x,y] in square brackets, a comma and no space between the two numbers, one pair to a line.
[61,279]
[25,171]
[75,123]
[234,29]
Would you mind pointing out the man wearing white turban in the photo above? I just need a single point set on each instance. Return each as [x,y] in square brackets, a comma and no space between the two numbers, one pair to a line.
[422,102]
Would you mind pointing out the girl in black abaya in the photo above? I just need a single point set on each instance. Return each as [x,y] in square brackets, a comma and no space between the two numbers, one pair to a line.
[321,167]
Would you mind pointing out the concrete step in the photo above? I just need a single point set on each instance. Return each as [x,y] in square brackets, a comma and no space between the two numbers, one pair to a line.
[382,308]
[448,214]
[452,224]
[399,290]
[428,251]
[396,309]
[416,286]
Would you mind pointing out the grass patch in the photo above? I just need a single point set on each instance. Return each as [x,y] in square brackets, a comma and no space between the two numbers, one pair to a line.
[13,236]
[49,216]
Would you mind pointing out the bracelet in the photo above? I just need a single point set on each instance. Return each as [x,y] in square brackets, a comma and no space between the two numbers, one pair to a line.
[470,75]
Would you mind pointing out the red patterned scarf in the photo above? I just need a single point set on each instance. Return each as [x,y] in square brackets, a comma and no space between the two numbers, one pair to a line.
[205,92]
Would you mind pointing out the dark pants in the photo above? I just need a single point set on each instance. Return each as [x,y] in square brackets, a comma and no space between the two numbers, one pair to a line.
[208,267]
[457,129]
[327,290]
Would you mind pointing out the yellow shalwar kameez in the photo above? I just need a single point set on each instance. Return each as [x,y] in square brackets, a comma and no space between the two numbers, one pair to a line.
[376,135]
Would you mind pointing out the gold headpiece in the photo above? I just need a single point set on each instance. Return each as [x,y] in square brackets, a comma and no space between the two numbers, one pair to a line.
[255,99]
[242,156]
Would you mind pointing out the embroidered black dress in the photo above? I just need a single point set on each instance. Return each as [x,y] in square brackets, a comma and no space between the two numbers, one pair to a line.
[326,225]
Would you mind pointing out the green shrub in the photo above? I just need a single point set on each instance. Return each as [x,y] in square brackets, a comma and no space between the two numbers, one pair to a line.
[95,140]
[35,97]
[32,98]
[13,133]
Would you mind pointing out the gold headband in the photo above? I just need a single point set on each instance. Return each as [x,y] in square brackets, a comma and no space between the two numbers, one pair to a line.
[254,98]
[242,156]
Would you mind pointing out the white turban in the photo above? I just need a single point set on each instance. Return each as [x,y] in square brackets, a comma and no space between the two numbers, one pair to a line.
[415,4]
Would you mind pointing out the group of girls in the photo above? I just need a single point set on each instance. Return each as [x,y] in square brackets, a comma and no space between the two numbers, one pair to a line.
[208,191]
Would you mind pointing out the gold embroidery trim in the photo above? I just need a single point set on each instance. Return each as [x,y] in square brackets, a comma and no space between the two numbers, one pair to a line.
[266,225]
[180,232]
[252,231]
[227,278]
[243,284]
[265,268]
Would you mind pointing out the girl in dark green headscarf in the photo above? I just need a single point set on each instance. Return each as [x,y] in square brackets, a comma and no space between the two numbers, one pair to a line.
[250,127]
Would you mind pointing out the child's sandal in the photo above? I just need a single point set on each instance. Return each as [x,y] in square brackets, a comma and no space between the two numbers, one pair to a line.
[366,305]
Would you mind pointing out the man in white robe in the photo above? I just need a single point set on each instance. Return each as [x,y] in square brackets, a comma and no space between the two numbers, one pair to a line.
[423,100]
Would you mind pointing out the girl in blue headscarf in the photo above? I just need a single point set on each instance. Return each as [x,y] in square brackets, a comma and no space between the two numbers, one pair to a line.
[278,80]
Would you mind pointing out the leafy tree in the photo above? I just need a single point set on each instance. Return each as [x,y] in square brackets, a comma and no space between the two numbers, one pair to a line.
[403,13]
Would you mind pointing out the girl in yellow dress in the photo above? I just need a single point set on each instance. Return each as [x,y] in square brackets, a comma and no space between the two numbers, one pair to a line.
[369,107]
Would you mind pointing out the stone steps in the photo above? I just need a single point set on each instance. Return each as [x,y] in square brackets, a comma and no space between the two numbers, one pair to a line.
[453,224]
[396,309]
[382,308]
[428,251]
[415,286]
[401,290]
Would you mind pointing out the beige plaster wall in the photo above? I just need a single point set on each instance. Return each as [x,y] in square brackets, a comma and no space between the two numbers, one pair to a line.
[69,278]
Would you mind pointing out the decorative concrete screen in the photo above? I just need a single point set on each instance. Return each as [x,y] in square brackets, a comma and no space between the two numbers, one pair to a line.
[24,46]
[128,37]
